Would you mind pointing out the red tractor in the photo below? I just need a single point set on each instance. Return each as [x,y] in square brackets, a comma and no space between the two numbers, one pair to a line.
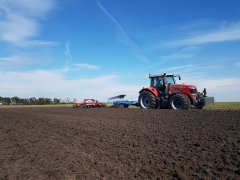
[89,103]
[165,93]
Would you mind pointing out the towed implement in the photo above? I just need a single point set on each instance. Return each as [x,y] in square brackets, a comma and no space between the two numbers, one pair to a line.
[118,101]
[88,103]
[125,103]
[164,92]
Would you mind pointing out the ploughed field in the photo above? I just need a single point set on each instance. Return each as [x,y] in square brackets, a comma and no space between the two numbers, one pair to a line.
[112,143]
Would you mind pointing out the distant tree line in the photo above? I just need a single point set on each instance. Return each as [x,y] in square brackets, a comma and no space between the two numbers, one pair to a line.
[32,101]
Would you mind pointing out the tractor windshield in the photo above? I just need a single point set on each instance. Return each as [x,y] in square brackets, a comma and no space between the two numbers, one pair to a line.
[170,80]
[158,81]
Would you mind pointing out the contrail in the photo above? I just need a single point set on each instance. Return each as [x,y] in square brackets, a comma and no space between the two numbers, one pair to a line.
[127,40]
[68,56]
[68,53]
[111,17]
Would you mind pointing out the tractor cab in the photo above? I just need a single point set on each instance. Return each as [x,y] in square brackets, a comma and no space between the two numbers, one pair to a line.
[162,82]
[163,79]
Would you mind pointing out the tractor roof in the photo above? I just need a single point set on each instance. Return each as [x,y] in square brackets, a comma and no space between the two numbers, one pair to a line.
[160,75]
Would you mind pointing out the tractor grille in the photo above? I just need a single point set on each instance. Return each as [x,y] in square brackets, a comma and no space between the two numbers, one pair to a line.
[193,91]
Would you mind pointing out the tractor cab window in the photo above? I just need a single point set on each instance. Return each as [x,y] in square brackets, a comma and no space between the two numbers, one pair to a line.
[156,82]
[170,80]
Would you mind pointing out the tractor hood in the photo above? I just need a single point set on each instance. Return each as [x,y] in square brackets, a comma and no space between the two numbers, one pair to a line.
[183,86]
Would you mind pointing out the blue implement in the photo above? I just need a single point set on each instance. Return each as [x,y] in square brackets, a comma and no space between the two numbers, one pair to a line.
[125,103]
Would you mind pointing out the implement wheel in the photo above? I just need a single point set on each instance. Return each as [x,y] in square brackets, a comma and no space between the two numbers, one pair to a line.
[125,105]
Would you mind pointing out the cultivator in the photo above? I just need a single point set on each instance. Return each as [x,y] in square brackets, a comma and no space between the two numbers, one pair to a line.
[86,103]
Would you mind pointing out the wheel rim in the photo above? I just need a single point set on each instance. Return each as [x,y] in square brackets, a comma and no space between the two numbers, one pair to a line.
[177,103]
[145,102]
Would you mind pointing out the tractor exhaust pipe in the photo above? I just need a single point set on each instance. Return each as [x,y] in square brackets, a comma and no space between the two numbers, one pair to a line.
[165,85]
[204,92]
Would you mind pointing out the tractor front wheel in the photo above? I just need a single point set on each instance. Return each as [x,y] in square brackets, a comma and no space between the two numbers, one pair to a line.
[201,104]
[179,102]
[147,100]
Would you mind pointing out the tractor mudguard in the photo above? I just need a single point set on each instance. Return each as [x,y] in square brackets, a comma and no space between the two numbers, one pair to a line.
[150,89]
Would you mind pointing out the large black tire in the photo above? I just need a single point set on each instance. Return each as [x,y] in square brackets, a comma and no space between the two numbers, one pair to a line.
[202,104]
[147,100]
[179,102]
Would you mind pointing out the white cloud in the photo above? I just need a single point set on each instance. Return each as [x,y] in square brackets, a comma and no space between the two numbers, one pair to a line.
[46,83]
[43,83]
[191,69]
[186,69]
[176,56]
[37,8]
[15,29]
[15,60]
[184,53]
[85,66]
[31,43]
[225,89]
[69,66]
[24,60]
[197,25]
[230,32]
[21,23]
[178,68]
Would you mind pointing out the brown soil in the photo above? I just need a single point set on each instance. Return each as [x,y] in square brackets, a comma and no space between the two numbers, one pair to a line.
[117,143]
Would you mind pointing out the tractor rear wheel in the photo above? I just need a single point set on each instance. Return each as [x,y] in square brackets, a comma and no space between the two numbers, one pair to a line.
[147,100]
[179,102]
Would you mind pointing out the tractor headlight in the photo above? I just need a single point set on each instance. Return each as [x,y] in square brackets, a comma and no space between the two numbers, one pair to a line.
[193,90]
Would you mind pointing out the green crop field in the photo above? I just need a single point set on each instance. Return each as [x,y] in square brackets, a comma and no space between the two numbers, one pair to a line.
[224,106]
[215,106]
[48,105]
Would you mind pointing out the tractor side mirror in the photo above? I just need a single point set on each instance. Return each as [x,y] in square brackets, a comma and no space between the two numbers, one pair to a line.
[179,77]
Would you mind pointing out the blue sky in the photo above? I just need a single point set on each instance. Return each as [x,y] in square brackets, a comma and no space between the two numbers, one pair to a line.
[101,48]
